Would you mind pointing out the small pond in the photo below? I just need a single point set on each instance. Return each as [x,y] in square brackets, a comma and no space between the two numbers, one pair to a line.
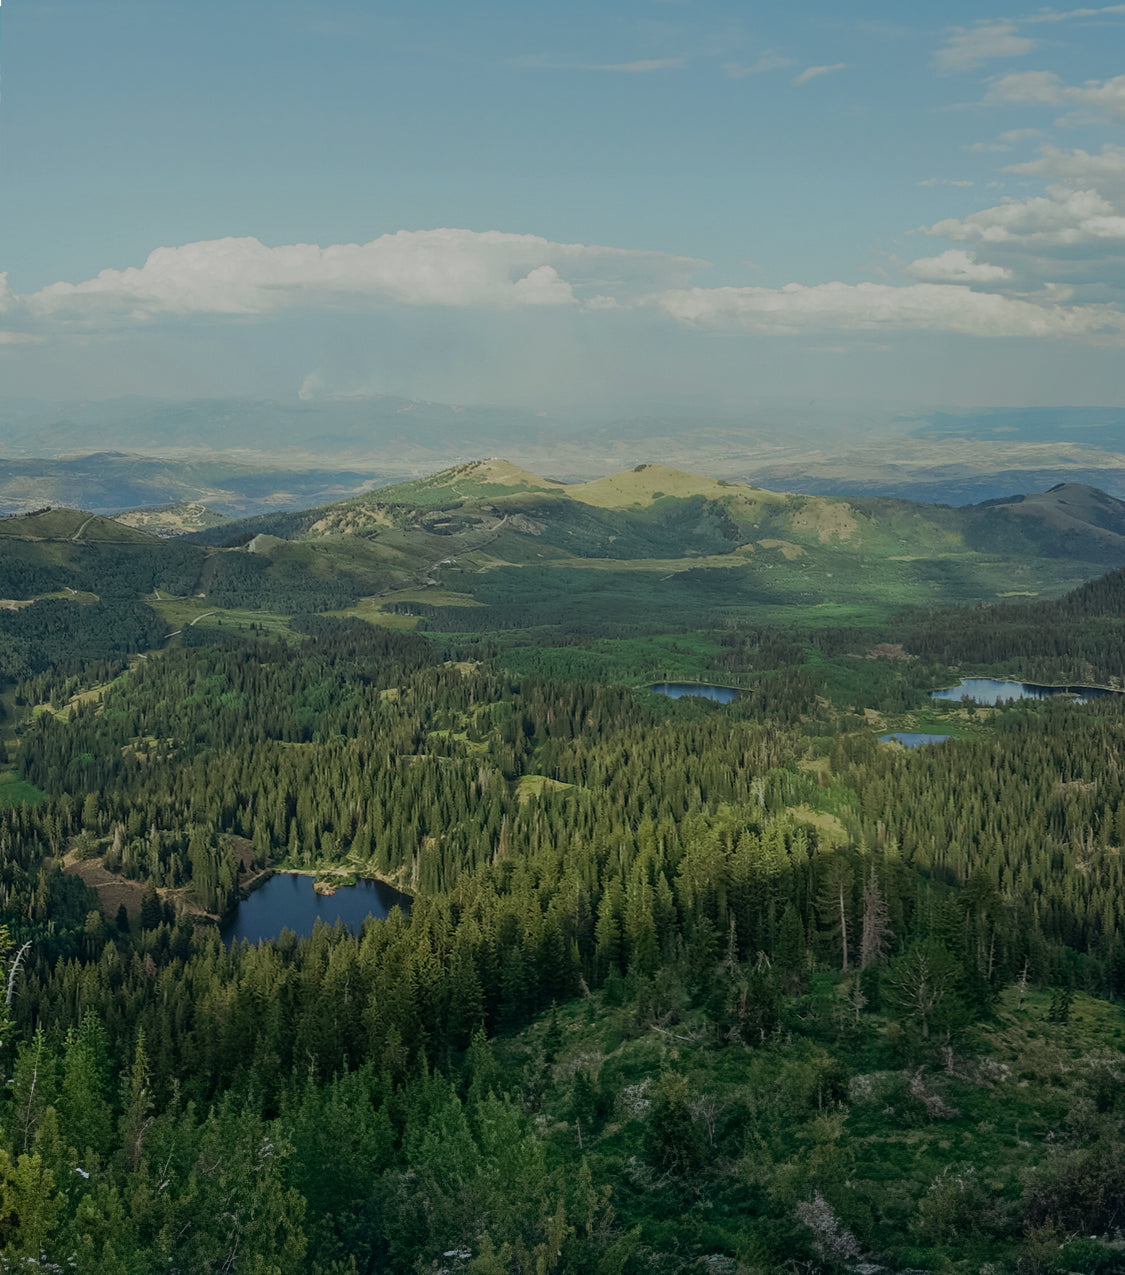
[990,690]
[288,901]
[677,690]
[912,739]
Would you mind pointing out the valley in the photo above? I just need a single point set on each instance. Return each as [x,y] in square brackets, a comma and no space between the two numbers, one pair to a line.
[677,984]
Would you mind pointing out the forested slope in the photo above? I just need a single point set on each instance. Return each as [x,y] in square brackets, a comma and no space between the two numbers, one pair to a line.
[682,987]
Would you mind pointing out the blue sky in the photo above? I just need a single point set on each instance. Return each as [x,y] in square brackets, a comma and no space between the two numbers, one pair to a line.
[563,206]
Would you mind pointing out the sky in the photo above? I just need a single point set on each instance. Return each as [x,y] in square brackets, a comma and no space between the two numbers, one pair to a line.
[607,205]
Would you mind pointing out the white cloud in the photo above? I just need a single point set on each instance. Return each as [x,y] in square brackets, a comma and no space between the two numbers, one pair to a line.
[1064,217]
[1073,234]
[18,338]
[943,181]
[542,286]
[1069,15]
[769,61]
[1006,141]
[966,48]
[1104,170]
[955,265]
[811,72]
[1045,88]
[928,307]
[460,268]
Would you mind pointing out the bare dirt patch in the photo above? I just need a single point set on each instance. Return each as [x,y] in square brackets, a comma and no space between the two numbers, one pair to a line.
[786,548]
[889,651]
[112,891]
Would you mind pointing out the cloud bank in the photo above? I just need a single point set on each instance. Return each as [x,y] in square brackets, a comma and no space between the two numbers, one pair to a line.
[456,268]
[1002,278]
[867,307]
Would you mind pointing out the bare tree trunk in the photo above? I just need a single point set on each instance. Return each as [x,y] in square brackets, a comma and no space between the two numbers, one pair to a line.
[843,926]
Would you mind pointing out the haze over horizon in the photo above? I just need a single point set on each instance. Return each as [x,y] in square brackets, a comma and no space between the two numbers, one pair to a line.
[589,209]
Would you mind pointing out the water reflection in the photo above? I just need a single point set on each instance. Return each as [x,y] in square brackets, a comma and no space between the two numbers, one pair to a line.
[991,690]
[676,690]
[288,901]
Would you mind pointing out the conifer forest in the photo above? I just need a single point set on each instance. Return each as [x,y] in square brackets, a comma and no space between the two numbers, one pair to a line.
[676,986]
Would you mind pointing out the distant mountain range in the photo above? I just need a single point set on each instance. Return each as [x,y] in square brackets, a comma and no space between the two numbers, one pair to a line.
[108,482]
[242,457]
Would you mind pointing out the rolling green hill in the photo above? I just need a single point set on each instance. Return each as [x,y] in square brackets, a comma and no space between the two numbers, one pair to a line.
[489,546]
[657,541]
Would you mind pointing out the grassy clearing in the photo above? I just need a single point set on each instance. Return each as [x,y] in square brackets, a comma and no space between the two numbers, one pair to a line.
[81,596]
[659,566]
[649,483]
[182,612]
[371,610]
[829,826]
[15,791]
[528,786]
[430,597]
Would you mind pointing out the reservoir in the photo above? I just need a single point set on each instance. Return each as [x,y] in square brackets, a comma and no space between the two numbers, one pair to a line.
[912,739]
[676,690]
[288,901]
[990,690]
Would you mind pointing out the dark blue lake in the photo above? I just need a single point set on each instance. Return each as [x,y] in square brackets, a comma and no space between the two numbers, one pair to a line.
[912,739]
[288,901]
[991,690]
[677,690]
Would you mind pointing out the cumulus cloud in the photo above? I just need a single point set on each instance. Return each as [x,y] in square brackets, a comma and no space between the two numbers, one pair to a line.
[978,287]
[1045,88]
[18,338]
[811,72]
[966,48]
[955,265]
[458,268]
[1104,170]
[928,307]
[943,181]
[1072,235]
[1063,218]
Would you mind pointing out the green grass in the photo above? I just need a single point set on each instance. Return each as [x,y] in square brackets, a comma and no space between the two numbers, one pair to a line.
[528,786]
[371,610]
[15,791]
[182,612]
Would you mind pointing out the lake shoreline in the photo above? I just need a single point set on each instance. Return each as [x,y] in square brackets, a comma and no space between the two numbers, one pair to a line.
[288,899]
